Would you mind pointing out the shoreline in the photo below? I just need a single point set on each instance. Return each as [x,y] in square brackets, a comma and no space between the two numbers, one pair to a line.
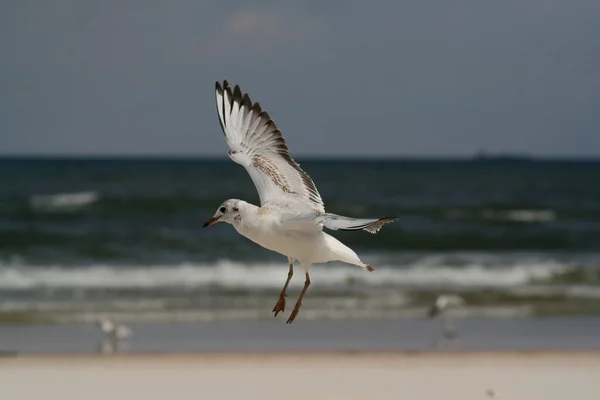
[401,336]
[310,337]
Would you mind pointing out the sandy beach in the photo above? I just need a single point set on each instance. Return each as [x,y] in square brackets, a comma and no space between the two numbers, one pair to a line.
[489,375]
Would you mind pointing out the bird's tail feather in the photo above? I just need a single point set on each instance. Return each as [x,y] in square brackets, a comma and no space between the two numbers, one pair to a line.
[341,252]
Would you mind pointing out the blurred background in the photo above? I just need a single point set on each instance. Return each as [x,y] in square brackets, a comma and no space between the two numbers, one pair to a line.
[477,122]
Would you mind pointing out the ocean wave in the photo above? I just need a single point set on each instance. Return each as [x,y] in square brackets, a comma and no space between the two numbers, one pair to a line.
[493,286]
[577,291]
[228,274]
[190,316]
[63,201]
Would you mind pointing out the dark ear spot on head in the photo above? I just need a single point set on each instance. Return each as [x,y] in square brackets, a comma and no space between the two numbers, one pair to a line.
[222,209]
[235,209]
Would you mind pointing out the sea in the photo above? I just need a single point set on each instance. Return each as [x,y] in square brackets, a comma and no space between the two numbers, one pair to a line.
[87,238]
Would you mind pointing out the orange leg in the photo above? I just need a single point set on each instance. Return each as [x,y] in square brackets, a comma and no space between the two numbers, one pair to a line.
[299,302]
[280,305]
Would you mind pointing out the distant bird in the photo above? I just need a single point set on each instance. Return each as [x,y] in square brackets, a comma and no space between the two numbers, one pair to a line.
[115,331]
[292,215]
[442,305]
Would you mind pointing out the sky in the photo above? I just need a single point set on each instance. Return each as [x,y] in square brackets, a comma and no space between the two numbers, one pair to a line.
[348,79]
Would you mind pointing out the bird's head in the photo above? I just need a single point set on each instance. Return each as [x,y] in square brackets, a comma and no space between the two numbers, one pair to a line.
[227,212]
[105,325]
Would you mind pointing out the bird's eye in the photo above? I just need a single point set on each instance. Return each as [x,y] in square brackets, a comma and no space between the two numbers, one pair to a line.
[223,209]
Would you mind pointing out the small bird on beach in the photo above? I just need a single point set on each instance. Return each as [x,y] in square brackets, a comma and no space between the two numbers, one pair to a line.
[291,217]
[115,331]
[443,303]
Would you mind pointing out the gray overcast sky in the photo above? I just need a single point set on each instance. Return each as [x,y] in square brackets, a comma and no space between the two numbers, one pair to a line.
[393,78]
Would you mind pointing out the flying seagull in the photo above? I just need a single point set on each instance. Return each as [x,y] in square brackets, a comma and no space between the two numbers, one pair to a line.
[291,216]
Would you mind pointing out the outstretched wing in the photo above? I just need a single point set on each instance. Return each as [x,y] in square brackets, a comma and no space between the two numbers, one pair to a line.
[255,142]
[338,222]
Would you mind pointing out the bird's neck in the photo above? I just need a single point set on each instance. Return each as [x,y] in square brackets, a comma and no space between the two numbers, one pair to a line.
[247,219]
[247,208]
[247,214]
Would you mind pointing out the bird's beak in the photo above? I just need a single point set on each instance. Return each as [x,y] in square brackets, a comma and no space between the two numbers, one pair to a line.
[211,221]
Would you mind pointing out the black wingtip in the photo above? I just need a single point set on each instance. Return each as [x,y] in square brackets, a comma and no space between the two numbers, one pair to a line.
[222,88]
[237,94]
[256,108]
[220,92]
[246,102]
[265,116]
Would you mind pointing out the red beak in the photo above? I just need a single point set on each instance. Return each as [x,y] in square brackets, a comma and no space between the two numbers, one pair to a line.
[210,221]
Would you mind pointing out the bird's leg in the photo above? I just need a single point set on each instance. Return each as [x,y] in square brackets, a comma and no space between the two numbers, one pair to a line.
[280,305]
[449,331]
[299,302]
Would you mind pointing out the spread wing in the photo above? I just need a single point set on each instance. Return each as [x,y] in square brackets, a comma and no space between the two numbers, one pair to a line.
[256,143]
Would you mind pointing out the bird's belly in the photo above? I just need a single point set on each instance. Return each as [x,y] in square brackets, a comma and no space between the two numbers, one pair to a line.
[297,245]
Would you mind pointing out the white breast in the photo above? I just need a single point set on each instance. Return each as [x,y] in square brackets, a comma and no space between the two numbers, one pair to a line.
[267,231]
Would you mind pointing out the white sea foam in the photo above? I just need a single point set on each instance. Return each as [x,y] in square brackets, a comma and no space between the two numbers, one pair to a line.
[576,291]
[314,312]
[63,201]
[229,274]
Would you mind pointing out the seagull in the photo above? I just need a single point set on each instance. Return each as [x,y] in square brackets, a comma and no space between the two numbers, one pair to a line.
[442,305]
[291,216]
[115,331]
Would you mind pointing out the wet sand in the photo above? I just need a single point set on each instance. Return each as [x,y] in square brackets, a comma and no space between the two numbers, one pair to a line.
[526,375]
[273,335]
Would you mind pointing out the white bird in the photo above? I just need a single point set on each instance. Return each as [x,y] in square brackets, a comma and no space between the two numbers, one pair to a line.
[116,331]
[291,217]
[442,305]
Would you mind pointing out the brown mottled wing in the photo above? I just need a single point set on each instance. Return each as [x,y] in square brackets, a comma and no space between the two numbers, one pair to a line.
[255,142]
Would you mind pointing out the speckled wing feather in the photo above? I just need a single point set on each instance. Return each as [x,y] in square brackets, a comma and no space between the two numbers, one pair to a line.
[256,143]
